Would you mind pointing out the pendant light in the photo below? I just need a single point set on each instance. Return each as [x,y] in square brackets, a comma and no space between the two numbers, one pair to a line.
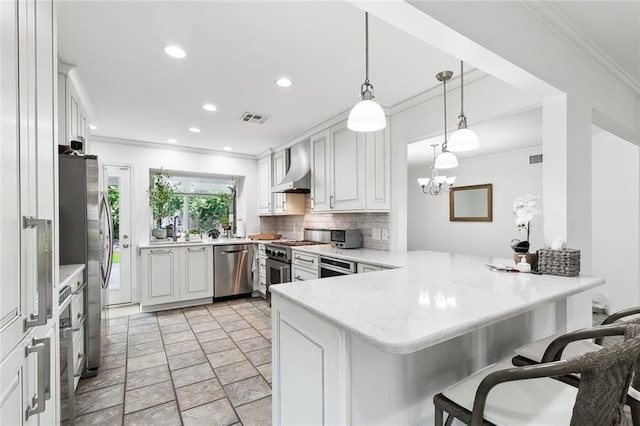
[437,184]
[463,139]
[366,115]
[446,159]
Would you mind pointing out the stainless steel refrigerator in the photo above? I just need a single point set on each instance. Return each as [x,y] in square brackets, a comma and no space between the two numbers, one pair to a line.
[86,236]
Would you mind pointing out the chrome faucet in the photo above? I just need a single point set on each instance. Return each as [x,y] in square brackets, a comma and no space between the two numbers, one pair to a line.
[176,220]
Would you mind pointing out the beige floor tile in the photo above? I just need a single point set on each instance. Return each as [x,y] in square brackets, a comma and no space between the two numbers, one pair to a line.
[173,319]
[145,349]
[143,321]
[139,339]
[247,333]
[113,361]
[115,329]
[104,379]
[148,396]
[161,415]
[257,413]
[200,319]
[208,336]
[142,329]
[114,338]
[200,393]
[205,326]
[218,345]
[259,357]
[100,399]
[261,324]
[174,328]
[225,358]
[266,371]
[146,361]
[217,413]
[182,347]
[224,319]
[193,374]
[178,337]
[148,376]
[107,417]
[186,359]
[266,333]
[235,325]
[114,349]
[253,344]
[235,372]
[247,390]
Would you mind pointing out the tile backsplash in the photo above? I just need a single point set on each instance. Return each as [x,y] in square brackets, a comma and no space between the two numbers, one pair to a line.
[292,227]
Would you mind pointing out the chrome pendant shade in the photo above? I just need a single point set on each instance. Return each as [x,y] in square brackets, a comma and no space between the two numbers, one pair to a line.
[366,115]
[463,139]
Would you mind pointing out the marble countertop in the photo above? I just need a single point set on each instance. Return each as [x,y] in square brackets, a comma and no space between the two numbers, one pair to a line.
[429,298]
[203,242]
[388,259]
[67,272]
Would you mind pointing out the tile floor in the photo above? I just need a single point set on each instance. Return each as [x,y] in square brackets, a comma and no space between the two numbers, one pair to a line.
[203,365]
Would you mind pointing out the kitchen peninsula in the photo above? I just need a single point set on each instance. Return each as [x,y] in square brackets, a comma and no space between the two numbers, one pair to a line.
[374,348]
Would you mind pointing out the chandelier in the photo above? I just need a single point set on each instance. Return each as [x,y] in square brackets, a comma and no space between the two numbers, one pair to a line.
[437,183]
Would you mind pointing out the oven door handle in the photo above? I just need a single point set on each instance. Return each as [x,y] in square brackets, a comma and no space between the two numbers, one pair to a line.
[335,269]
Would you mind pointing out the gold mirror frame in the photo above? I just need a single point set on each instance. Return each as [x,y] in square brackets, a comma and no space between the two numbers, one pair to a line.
[486,215]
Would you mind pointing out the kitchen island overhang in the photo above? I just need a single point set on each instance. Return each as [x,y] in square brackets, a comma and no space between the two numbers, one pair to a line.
[385,342]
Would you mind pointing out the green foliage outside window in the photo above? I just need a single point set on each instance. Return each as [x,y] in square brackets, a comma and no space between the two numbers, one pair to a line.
[209,211]
[113,196]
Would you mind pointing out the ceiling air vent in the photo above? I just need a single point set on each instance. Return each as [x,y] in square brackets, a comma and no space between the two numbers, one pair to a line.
[535,159]
[252,117]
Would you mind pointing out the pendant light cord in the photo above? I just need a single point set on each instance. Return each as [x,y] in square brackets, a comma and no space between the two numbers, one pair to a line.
[444,145]
[461,88]
[366,46]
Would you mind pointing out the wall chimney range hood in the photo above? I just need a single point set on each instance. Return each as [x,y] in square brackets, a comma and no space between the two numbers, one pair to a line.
[298,177]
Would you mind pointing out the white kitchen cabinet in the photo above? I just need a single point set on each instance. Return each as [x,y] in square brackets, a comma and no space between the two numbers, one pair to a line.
[160,276]
[304,266]
[196,272]
[350,170]
[306,367]
[365,267]
[280,167]
[73,117]
[262,270]
[271,170]
[176,274]
[27,72]
[265,196]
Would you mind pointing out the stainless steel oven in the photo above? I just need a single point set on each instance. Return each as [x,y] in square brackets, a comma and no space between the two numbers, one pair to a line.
[278,272]
[330,267]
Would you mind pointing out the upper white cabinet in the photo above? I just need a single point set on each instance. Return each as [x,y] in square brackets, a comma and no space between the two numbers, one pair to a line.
[271,170]
[350,170]
[265,197]
[73,107]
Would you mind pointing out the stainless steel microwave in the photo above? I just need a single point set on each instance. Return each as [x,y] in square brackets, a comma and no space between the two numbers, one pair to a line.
[346,238]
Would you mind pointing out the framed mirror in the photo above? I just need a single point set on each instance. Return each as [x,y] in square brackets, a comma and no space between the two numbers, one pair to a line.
[472,203]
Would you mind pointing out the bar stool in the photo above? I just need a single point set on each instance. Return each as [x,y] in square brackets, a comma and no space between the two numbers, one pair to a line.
[505,395]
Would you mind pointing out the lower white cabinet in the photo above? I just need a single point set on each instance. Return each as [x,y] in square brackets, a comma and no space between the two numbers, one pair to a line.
[27,380]
[262,270]
[170,275]
[196,272]
[304,266]
[365,267]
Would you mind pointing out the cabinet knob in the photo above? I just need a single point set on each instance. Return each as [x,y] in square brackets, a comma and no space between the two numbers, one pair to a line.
[125,245]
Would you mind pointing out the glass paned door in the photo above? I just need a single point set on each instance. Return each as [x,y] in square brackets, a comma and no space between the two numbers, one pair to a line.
[118,189]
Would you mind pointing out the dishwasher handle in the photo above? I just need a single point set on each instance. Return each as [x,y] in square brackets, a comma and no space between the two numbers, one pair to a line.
[235,251]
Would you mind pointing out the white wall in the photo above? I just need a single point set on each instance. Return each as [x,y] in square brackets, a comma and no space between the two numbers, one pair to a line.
[511,176]
[615,220]
[142,159]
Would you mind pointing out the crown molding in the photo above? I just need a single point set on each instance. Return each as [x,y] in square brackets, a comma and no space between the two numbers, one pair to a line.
[561,25]
[170,147]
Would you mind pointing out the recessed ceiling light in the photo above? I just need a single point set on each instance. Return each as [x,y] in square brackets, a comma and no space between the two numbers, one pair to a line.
[194,129]
[209,107]
[175,51]
[228,148]
[92,127]
[172,141]
[284,82]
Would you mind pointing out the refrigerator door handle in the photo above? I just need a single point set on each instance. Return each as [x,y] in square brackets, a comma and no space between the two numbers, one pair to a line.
[44,271]
[40,347]
[106,273]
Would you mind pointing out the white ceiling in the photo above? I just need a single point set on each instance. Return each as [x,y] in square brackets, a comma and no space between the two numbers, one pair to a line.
[235,52]
[236,49]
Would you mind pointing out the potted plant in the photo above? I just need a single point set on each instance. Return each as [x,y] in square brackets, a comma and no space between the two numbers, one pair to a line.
[193,234]
[161,193]
[524,209]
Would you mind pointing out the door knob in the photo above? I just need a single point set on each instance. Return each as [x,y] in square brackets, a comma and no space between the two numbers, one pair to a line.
[125,245]
[125,236]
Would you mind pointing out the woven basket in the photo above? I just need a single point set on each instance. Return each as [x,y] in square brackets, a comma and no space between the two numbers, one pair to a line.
[563,262]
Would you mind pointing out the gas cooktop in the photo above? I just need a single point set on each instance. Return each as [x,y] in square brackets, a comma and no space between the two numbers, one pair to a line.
[294,243]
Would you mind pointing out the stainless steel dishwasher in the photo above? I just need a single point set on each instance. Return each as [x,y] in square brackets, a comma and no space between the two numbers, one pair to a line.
[232,266]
